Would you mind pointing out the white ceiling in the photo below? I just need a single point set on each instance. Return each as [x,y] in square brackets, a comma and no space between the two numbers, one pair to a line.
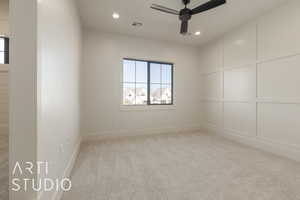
[97,14]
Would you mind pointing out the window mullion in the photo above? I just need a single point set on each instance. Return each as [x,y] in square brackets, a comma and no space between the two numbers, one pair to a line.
[160,83]
[6,50]
[148,83]
[172,84]
[135,82]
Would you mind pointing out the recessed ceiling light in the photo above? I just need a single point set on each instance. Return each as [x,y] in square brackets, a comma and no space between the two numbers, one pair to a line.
[116,16]
[198,33]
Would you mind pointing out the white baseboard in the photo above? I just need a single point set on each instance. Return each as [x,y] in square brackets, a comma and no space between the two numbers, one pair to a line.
[285,150]
[67,173]
[140,132]
[57,195]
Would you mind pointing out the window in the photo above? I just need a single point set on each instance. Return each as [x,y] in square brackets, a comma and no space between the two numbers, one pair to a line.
[4,50]
[147,82]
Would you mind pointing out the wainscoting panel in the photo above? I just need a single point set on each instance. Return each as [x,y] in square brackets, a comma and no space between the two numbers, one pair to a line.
[278,33]
[240,83]
[240,117]
[280,123]
[240,47]
[258,101]
[279,79]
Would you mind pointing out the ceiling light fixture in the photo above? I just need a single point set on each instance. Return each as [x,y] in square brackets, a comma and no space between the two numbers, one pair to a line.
[198,33]
[186,34]
[116,16]
[185,14]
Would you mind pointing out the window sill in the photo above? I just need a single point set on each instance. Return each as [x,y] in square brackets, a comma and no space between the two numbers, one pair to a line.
[147,108]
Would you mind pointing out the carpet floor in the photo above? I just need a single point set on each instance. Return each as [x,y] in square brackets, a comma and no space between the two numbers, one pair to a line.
[187,166]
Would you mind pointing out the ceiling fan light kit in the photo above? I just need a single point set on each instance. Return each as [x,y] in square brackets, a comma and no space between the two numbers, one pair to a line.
[186,14]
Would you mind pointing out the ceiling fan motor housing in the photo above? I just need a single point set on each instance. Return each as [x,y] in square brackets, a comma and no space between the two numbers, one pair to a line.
[185,14]
[185,2]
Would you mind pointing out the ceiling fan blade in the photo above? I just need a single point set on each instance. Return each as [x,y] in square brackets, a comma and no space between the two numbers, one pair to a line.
[207,6]
[164,9]
[184,27]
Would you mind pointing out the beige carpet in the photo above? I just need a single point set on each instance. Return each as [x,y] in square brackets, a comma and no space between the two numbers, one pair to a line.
[181,167]
[3,166]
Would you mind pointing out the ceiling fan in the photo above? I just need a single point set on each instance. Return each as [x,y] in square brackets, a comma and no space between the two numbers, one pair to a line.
[186,14]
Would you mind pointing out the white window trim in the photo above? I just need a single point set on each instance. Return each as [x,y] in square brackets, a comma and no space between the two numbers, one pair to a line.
[129,108]
[146,107]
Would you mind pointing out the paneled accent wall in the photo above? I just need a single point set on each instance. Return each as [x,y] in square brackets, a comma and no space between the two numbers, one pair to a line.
[251,82]
[4,100]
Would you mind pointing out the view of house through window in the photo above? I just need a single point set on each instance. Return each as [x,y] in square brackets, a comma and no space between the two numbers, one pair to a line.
[147,83]
[4,55]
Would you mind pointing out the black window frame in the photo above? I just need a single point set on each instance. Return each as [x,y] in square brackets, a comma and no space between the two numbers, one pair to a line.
[6,49]
[149,62]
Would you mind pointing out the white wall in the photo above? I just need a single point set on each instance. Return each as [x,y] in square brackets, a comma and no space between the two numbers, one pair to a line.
[22,122]
[251,82]
[58,80]
[102,114]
